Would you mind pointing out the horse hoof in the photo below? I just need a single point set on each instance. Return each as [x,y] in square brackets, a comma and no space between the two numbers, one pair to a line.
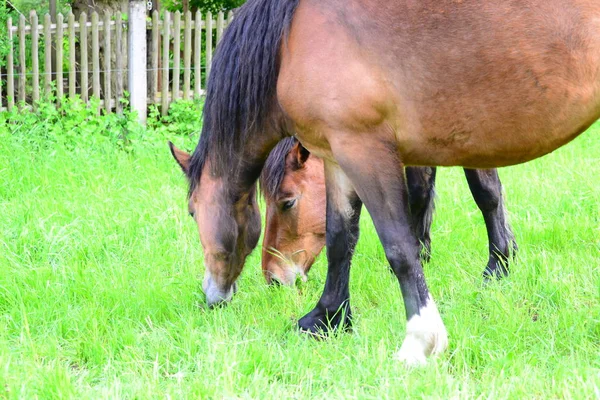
[495,270]
[320,322]
[425,336]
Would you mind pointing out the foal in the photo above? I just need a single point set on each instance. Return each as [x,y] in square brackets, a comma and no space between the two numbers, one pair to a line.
[293,185]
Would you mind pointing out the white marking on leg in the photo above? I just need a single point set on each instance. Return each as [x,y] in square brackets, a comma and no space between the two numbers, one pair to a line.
[425,335]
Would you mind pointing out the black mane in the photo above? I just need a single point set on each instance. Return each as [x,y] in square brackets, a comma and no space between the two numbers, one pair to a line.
[274,169]
[242,84]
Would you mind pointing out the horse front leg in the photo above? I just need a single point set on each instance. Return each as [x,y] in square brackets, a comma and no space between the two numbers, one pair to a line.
[378,177]
[486,189]
[342,225]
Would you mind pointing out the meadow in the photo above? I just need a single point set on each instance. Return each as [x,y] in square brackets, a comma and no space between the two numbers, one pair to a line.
[101,267]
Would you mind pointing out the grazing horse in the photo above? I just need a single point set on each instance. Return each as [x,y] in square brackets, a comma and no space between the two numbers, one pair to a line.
[293,185]
[371,86]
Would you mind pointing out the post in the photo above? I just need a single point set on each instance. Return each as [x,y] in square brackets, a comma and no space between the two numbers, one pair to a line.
[220,25]
[154,51]
[55,43]
[83,56]
[209,47]
[22,69]
[137,58]
[197,54]
[35,66]
[164,91]
[187,55]
[59,58]
[176,54]
[119,64]
[47,55]
[95,59]
[10,85]
[72,69]
[107,65]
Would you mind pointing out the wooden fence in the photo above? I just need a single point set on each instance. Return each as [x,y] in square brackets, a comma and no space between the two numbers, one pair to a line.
[54,58]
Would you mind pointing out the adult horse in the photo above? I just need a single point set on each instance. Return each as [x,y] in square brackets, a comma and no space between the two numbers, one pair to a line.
[370,86]
[293,185]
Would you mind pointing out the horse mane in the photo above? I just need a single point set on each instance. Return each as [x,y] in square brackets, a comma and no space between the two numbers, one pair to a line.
[242,85]
[273,172]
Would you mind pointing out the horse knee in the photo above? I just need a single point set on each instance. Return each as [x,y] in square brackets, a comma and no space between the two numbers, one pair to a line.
[402,258]
[488,197]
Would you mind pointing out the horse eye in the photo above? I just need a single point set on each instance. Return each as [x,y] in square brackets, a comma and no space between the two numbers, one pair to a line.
[192,214]
[286,205]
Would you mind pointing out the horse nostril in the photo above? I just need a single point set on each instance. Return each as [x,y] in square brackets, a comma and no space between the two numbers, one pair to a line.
[275,282]
[217,304]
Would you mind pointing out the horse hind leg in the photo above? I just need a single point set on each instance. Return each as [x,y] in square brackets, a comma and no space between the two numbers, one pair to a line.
[343,215]
[421,195]
[486,189]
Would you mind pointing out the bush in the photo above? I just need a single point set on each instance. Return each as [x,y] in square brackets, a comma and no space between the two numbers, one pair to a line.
[76,124]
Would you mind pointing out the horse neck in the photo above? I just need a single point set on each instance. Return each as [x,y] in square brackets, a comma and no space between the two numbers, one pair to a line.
[243,171]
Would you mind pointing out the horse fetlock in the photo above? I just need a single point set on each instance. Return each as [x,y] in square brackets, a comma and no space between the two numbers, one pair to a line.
[324,320]
[498,263]
[426,336]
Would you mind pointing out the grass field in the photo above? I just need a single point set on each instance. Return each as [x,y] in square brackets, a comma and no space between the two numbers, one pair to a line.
[100,297]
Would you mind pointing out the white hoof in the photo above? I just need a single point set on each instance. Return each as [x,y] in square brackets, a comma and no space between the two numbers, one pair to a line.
[425,336]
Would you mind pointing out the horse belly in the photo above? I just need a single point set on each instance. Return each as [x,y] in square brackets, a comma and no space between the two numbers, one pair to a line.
[513,86]
[482,96]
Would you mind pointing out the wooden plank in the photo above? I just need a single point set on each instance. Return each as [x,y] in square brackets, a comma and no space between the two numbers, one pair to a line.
[229,17]
[35,62]
[83,62]
[10,85]
[220,26]
[209,41]
[72,66]
[47,55]
[198,54]
[164,93]
[119,64]
[176,54]
[22,66]
[59,57]
[187,55]
[95,57]
[154,51]
[107,58]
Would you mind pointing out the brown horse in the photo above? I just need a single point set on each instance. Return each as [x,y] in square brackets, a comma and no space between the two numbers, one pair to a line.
[371,86]
[293,185]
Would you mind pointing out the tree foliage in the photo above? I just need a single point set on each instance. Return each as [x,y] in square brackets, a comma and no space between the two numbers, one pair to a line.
[203,5]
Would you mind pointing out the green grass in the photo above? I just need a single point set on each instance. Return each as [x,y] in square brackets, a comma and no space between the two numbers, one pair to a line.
[100,297]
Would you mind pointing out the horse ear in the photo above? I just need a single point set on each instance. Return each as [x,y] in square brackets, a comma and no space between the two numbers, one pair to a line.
[300,154]
[182,158]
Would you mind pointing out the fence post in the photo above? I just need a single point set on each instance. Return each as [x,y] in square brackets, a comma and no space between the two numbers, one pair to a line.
[138,90]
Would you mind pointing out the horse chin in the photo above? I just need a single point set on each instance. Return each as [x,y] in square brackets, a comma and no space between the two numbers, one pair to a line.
[215,294]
